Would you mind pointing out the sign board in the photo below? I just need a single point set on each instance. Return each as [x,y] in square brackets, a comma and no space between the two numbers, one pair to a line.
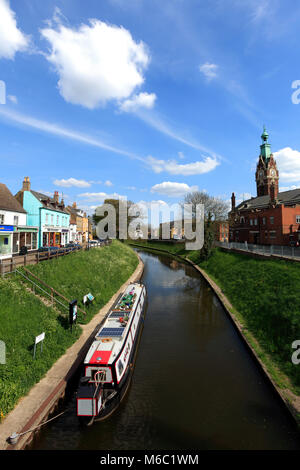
[39,338]
[72,312]
[6,228]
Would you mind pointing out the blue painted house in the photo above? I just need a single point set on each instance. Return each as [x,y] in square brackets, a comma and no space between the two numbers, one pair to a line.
[47,213]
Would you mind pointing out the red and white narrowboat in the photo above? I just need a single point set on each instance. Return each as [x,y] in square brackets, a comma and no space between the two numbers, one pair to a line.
[108,365]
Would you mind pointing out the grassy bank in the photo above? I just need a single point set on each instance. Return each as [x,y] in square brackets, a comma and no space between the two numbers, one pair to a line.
[100,271]
[265,295]
[23,316]
[177,249]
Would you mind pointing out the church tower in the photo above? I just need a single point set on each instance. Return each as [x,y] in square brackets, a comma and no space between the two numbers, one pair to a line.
[267,175]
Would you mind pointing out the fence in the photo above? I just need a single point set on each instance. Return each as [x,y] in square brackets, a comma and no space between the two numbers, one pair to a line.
[266,250]
[53,294]
[10,265]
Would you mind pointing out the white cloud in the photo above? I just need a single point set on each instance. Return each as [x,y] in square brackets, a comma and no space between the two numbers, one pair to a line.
[72,182]
[209,70]
[12,39]
[288,164]
[13,99]
[58,130]
[108,183]
[96,63]
[170,189]
[288,188]
[100,197]
[174,168]
[142,100]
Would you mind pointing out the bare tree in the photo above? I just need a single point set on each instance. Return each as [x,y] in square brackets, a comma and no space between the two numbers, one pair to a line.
[212,205]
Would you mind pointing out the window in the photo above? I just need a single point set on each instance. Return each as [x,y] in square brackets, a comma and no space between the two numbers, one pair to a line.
[47,219]
[271,220]
[34,241]
[273,234]
[16,220]
[297,219]
[1,218]
[57,218]
[51,219]
[264,221]
[255,221]
[266,233]
[251,221]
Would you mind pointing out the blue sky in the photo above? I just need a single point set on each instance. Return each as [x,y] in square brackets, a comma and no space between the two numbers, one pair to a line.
[147,99]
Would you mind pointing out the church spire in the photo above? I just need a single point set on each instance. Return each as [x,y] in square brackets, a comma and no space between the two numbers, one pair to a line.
[265,148]
[266,175]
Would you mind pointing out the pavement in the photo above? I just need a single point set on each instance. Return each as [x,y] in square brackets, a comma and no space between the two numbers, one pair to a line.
[42,399]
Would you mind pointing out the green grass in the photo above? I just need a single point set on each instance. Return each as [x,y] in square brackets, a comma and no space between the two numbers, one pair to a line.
[23,316]
[266,294]
[100,271]
[173,248]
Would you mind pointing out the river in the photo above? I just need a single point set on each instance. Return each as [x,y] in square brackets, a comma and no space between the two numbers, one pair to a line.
[195,384]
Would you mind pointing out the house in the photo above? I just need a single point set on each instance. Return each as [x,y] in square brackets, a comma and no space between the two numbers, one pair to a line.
[78,219]
[272,217]
[221,230]
[14,231]
[48,213]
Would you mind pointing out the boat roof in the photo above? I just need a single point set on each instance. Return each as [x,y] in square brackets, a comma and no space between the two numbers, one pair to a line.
[110,337]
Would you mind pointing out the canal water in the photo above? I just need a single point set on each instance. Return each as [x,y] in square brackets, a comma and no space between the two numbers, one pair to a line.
[195,385]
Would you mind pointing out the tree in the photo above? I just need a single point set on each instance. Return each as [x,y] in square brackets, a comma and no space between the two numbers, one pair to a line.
[216,207]
[207,248]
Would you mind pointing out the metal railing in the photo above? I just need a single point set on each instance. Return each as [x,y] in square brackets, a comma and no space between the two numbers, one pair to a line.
[267,250]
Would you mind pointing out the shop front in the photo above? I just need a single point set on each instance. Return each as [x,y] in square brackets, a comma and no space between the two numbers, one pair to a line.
[51,238]
[6,232]
[25,237]
[13,238]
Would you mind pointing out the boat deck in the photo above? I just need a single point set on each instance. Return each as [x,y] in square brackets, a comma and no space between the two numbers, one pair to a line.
[110,337]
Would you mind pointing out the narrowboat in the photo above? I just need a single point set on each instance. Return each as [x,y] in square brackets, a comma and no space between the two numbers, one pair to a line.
[108,365]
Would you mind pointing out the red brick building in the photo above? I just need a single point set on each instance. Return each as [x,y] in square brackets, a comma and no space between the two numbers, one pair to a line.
[271,218]
[221,230]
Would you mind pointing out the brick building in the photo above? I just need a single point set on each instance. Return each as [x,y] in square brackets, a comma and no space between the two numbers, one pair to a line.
[271,218]
[221,230]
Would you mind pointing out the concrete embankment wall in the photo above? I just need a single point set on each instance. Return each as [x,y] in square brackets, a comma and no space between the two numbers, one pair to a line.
[37,406]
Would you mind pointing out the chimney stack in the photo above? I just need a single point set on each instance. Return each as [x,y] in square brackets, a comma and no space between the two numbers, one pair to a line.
[232,202]
[74,205]
[56,197]
[26,184]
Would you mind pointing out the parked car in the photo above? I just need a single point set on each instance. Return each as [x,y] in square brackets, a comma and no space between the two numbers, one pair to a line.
[51,249]
[73,246]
